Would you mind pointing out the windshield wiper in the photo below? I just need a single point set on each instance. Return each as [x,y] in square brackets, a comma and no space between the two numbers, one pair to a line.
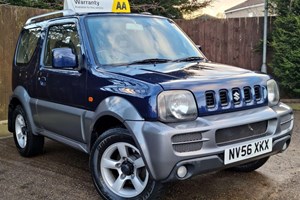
[150,61]
[187,59]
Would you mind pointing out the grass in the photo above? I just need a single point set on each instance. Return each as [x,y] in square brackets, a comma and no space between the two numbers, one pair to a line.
[295,106]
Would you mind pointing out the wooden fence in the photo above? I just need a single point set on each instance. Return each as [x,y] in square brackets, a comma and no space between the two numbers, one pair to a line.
[230,41]
[235,41]
[12,19]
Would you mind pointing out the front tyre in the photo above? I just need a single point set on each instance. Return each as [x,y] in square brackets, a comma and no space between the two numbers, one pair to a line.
[118,170]
[26,142]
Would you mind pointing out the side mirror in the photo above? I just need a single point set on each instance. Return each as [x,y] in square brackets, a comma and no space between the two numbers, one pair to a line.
[63,58]
[199,47]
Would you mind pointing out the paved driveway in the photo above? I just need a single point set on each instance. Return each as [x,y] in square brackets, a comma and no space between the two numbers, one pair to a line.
[62,173]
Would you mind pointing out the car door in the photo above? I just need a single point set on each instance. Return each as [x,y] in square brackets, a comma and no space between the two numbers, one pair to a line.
[61,92]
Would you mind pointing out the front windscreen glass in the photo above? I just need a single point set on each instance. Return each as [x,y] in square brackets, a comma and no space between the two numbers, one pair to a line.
[124,40]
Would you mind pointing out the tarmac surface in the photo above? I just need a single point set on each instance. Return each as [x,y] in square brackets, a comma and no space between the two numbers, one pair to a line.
[63,173]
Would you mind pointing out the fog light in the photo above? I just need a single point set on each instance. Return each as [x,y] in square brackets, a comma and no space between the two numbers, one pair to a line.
[285,146]
[181,171]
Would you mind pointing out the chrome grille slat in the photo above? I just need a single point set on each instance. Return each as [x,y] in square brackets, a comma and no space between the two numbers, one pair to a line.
[189,142]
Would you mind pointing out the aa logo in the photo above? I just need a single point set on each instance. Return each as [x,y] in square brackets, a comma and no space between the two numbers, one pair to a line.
[121,6]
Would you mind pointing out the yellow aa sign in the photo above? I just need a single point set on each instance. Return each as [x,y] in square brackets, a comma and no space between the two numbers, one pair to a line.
[121,6]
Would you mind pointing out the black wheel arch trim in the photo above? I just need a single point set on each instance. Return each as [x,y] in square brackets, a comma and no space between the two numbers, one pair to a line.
[114,106]
[23,97]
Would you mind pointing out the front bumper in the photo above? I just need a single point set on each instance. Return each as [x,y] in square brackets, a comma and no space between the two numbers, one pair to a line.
[162,160]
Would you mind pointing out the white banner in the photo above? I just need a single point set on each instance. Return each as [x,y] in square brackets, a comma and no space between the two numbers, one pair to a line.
[89,6]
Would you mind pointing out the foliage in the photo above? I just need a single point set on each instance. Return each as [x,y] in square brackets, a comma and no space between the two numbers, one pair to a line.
[286,45]
[286,7]
[168,8]
[48,4]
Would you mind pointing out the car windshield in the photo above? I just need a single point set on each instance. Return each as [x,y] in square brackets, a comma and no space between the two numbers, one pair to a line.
[129,40]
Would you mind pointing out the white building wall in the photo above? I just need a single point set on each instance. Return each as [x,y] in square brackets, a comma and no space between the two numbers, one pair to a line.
[249,12]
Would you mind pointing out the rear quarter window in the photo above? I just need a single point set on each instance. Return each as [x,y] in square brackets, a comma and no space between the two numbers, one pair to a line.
[27,45]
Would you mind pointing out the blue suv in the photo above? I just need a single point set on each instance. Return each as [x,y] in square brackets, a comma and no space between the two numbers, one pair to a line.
[137,95]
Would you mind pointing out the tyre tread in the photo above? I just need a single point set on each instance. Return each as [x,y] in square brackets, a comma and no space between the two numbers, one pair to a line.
[106,138]
[35,143]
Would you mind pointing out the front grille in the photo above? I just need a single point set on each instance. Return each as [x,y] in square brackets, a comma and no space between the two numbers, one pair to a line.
[224,97]
[210,99]
[247,94]
[234,134]
[244,96]
[257,92]
[187,142]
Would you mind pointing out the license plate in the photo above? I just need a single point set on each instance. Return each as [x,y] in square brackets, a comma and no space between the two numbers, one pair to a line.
[245,151]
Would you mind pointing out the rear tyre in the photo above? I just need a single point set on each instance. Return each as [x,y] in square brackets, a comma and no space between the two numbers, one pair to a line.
[251,166]
[118,169]
[26,143]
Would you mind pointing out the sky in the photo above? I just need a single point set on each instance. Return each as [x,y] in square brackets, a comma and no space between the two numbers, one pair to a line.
[218,7]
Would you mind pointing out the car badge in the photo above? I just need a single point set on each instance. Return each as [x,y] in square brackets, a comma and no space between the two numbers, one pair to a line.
[236,96]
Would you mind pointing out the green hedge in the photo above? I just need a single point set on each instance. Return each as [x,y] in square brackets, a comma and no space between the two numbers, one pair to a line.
[286,46]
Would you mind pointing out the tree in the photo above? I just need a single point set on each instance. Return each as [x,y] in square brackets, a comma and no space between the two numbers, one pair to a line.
[286,45]
[168,8]
[52,4]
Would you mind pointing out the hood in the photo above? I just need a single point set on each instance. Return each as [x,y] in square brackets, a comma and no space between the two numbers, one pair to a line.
[168,72]
[214,86]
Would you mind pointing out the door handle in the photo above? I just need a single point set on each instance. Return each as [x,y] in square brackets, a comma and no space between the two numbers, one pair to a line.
[42,80]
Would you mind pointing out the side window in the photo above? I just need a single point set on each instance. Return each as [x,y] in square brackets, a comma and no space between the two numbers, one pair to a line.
[60,36]
[27,45]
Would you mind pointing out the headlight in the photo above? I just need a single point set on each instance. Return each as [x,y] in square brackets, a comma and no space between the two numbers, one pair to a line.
[177,105]
[273,92]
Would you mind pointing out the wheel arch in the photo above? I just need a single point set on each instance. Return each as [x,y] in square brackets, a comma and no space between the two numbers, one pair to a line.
[112,112]
[20,97]
[103,124]
[14,102]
